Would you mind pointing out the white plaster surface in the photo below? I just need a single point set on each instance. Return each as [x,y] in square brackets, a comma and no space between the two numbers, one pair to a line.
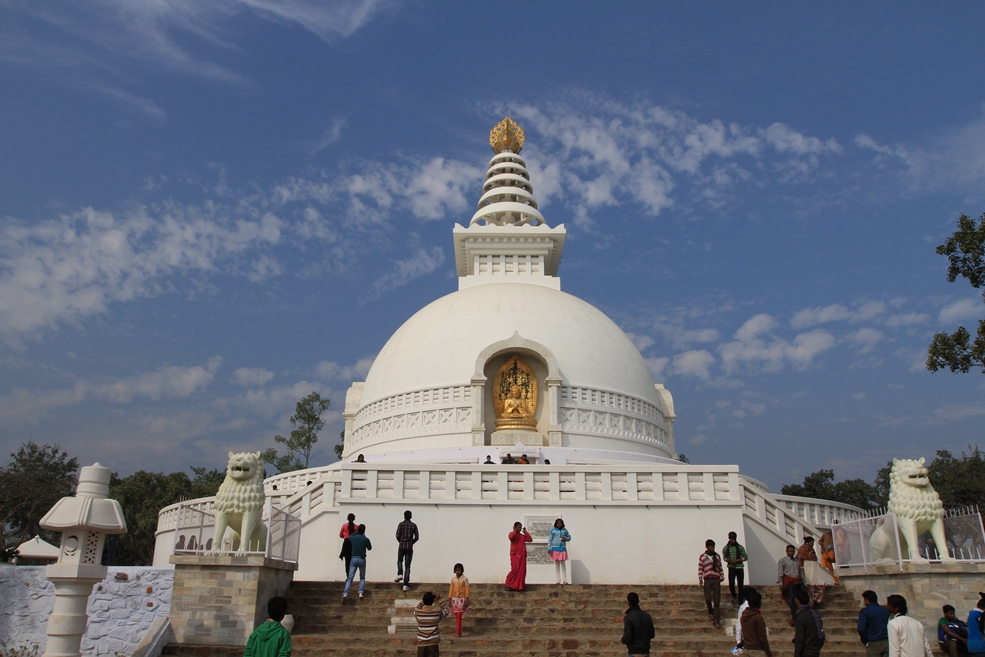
[438,346]
[120,610]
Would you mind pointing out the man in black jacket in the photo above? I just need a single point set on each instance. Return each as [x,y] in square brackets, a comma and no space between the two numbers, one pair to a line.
[637,628]
[808,638]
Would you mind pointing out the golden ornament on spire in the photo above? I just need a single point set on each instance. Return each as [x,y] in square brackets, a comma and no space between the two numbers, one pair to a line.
[506,136]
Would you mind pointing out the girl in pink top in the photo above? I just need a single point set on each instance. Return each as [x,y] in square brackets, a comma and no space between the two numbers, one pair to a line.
[347,530]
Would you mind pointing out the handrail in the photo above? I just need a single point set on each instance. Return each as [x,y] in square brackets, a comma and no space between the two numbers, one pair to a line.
[767,510]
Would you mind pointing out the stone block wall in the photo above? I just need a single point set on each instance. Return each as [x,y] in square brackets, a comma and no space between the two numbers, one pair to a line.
[220,599]
[121,607]
[926,587]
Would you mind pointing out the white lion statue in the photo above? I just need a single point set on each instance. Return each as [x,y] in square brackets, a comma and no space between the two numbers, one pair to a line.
[239,504]
[918,509]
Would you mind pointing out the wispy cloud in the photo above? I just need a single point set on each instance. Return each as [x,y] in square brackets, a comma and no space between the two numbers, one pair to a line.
[961,310]
[611,153]
[100,45]
[757,347]
[420,263]
[74,265]
[170,381]
[252,376]
[330,136]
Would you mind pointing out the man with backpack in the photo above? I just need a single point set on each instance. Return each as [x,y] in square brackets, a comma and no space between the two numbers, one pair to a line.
[808,637]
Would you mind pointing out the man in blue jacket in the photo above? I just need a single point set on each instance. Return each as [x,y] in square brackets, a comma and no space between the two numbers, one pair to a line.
[873,622]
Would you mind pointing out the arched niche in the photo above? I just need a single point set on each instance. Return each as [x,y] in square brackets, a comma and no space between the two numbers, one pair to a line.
[544,365]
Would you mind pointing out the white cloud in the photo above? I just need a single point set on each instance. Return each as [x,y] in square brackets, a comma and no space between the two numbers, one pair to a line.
[332,371]
[421,262]
[694,363]
[860,396]
[439,188]
[168,381]
[252,376]
[657,367]
[962,310]
[865,340]
[612,153]
[641,341]
[330,136]
[22,406]
[749,409]
[787,140]
[837,312]
[755,345]
[956,412]
[73,266]
[820,315]
[755,326]
[906,319]
[808,345]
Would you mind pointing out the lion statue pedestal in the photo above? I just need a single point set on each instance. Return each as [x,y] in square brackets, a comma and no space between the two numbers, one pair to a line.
[918,509]
[239,505]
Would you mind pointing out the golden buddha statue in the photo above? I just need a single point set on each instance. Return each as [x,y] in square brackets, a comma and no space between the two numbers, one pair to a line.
[515,396]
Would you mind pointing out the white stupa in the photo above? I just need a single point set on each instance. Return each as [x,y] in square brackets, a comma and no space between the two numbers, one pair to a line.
[430,393]
[510,364]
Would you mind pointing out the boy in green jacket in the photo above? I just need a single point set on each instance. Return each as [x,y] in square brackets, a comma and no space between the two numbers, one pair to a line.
[271,639]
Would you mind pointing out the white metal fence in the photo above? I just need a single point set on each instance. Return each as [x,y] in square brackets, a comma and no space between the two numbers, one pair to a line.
[962,527]
[195,527]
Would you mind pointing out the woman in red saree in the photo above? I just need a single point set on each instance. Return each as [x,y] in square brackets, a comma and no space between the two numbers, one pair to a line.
[519,538]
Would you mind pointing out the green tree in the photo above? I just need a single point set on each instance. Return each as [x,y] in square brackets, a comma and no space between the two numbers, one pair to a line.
[307,422]
[142,495]
[36,477]
[821,485]
[340,447]
[959,481]
[965,250]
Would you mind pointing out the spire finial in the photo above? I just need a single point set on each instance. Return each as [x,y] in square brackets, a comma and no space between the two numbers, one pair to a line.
[506,136]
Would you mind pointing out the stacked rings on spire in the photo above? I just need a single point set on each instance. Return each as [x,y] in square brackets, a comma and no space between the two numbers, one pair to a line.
[507,195]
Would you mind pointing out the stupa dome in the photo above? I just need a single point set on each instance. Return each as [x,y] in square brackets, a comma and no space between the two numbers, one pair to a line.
[577,382]
[440,344]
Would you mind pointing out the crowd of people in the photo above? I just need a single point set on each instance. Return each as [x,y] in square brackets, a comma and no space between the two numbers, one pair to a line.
[802,575]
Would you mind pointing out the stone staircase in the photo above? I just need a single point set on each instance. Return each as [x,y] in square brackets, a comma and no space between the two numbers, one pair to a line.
[544,620]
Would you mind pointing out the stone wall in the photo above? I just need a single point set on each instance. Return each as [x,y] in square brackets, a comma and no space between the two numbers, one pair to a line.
[121,607]
[220,599]
[926,587]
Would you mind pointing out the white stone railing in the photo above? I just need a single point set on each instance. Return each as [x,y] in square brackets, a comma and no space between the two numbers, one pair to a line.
[495,484]
[820,513]
[764,508]
[167,518]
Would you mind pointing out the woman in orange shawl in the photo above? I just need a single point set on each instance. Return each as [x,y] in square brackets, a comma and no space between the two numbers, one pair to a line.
[519,538]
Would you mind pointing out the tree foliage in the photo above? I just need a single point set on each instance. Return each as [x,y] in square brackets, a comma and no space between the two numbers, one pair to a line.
[965,249]
[142,496]
[307,422]
[36,477]
[821,485]
[959,481]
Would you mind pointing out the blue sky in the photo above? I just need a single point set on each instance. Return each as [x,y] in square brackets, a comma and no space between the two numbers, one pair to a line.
[208,210]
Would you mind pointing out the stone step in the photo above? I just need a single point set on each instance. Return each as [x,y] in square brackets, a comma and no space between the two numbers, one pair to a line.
[304,589]
[369,646]
[534,626]
[545,620]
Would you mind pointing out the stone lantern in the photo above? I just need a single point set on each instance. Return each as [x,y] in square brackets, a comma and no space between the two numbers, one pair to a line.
[84,521]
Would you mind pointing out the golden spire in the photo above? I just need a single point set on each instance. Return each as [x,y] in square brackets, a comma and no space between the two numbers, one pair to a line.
[506,136]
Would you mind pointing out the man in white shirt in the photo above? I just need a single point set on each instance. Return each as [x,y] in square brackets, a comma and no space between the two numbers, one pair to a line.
[907,637]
